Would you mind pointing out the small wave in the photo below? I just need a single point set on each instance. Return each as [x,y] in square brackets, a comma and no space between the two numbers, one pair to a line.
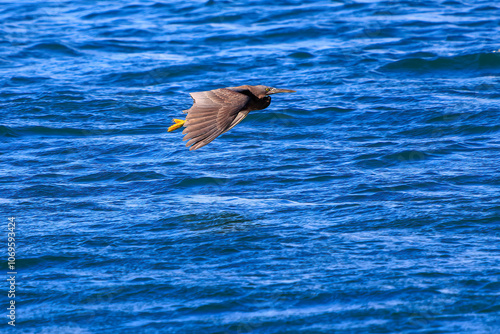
[34,262]
[5,131]
[21,80]
[114,13]
[325,178]
[47,50]
[272,117]
[126,33]
[301,55]
[114,45]
[46,131]
[407,156]
[155,76]
[377,160]
[334,109]
[103,15]
[141,176]
[44,176]
[101,176]
[50,191]
[201,181]
[482,62]
[485,8]
[450,129]
[77,132]
[119,176]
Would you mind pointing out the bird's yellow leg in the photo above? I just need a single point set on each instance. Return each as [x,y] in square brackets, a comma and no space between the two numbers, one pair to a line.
[178,123]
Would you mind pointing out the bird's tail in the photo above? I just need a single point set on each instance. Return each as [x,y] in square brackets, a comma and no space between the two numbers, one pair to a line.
[177,124]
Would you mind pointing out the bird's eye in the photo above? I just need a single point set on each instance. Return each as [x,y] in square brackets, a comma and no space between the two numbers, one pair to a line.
[268,89]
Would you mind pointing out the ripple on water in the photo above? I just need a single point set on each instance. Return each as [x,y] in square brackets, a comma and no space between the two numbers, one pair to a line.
[365,202]
[470,64]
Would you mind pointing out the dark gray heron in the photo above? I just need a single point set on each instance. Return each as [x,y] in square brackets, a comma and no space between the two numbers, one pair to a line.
[217,111]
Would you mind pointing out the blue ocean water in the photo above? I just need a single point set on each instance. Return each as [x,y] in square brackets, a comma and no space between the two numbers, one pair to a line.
[367,202]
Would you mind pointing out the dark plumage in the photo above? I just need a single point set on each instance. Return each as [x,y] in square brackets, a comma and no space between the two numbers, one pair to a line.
[217,111]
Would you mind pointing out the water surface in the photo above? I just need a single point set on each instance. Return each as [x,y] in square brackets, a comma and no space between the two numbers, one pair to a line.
[367,202]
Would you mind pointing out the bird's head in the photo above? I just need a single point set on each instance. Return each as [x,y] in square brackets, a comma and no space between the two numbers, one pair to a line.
[262,91]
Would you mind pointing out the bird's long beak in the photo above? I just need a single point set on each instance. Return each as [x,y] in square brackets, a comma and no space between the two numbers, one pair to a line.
[279,90]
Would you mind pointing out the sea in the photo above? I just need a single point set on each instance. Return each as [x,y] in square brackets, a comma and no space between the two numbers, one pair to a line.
[366,202]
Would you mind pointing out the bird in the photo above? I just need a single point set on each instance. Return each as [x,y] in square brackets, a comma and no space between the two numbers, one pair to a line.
[217,111]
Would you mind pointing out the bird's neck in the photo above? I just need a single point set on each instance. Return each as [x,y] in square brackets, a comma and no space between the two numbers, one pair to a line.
[263,103]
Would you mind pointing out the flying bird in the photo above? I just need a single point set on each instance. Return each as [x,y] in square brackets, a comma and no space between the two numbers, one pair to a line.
[217,111]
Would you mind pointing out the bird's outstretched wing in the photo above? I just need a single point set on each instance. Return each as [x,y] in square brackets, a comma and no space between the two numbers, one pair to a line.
[212,114]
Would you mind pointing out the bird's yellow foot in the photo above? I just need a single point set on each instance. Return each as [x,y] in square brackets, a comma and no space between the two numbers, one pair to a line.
[178,123]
